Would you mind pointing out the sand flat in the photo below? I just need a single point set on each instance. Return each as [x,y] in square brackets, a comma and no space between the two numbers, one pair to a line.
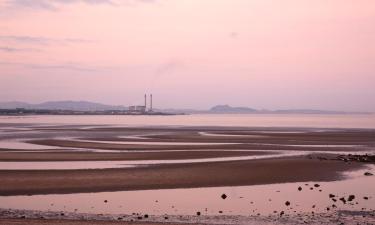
[235,173]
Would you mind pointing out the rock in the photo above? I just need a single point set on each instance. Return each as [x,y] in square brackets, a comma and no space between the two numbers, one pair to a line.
[139,217]
[316,185]
[198,213]
[146,215]
[220,211]
[368,174]
[282,213]
[166,217]
[343,200]
[332,195]
[287,203]
[351,198]
[300,188]
[223,196]
[365,198]
[105,201]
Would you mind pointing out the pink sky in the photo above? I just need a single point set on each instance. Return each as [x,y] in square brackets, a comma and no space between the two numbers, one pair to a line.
[190,53]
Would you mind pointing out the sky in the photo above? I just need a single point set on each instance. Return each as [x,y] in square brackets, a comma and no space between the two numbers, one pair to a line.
[279,54]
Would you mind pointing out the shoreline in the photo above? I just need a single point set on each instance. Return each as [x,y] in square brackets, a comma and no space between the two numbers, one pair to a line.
[32,217]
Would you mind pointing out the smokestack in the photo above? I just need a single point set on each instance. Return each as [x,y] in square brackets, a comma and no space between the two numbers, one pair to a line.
[145,101]
[151,102]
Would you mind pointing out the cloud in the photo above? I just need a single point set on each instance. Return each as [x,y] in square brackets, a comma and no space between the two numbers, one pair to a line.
[233,34]
[55,4]
[164,70]
[12,50]
[63,66]
[168,67]
[41,40]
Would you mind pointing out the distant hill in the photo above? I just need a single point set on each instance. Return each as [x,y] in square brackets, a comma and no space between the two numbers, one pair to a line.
[225,109]
[218,109]
[229,109]
[62,105]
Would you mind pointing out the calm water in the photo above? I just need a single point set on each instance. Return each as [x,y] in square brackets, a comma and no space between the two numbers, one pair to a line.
[242,200]
[264,120]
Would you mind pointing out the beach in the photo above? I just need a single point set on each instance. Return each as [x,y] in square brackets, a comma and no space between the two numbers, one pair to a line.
[45,163]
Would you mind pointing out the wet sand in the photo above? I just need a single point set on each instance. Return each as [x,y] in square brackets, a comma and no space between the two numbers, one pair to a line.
[76,222]
[234,138]
[94,156]
[60,143]
[232,173]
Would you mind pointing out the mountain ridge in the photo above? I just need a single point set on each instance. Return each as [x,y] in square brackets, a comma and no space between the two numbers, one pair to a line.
[217,109]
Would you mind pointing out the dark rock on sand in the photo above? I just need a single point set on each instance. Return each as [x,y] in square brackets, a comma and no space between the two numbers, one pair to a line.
[357,158]
[287,203]
[223,196]
[300,188]
[368,174]
[343,200]
[198,213]
[351,198]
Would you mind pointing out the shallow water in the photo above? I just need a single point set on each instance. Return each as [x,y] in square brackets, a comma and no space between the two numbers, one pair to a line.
[20,144]
[241,120]
[156,142]
[242,200]
[68,165]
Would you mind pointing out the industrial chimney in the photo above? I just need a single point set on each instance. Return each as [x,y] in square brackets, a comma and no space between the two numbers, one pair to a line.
[145,101]
[150,102]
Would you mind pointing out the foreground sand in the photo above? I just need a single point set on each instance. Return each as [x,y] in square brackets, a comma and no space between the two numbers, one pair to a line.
[232,173]
[76,222]
[84,146]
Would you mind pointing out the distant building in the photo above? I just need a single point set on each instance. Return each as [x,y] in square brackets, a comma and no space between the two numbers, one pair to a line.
[137,109]
[141,109]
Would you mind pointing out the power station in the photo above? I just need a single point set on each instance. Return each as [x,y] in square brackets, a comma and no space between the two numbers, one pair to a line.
[142,109]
